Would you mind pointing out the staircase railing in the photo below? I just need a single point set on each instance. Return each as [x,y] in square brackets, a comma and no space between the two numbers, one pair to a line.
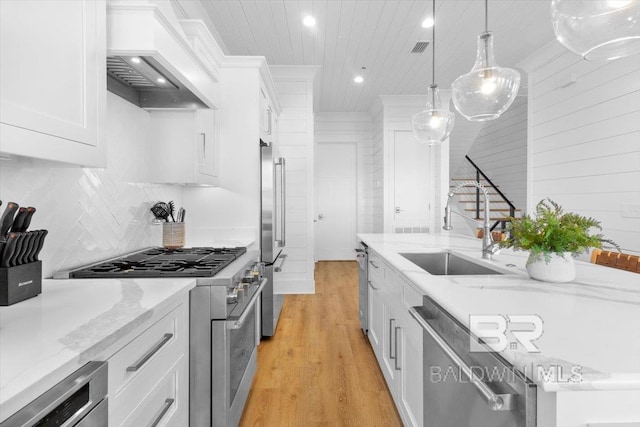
[479,173]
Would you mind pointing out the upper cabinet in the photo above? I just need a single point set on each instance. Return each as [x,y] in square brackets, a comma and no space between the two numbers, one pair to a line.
[267,116]
[52,80]
[184,147]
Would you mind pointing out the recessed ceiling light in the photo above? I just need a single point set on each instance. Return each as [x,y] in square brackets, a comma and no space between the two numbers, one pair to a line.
[135,60]
[309,21]
[358,79]
[161,80]
[428,22]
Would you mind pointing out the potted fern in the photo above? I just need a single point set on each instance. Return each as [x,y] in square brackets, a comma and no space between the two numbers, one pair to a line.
[553,238]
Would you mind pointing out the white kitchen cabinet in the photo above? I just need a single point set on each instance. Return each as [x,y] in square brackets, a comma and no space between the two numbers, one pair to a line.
[267,117]
[396,338]
[184,147]
[149,376]
[53,80]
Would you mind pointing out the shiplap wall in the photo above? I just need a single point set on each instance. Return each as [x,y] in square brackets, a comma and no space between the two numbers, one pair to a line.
[500,150]
[584,139]
[296,128]
[353,128]
[93,213]
[377,156]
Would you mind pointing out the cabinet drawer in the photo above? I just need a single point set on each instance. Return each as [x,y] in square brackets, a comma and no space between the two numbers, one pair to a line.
[135,369]
[376,268]
[166,404]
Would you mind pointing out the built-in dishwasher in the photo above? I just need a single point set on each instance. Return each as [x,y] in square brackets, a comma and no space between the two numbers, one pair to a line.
[464,388]
[80,400]
[363,286]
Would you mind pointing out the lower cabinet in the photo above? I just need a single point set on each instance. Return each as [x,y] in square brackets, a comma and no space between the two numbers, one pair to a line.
[397,341]
[149,376]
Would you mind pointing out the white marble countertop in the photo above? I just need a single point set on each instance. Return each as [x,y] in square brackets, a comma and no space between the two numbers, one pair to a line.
[46,338]
[592,323]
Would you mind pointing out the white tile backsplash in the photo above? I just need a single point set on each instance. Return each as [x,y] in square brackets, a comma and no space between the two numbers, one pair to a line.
[91,213]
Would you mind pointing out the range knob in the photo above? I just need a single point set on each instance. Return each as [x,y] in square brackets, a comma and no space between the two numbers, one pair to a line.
[232,296]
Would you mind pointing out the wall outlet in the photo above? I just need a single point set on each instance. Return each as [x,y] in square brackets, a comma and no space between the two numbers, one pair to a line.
[630,211]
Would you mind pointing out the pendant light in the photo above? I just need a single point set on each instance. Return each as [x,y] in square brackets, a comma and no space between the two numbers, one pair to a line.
[597,29]
[487,90]
[434,124]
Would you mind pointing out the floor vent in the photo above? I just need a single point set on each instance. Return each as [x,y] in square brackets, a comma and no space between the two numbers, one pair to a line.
[421,46]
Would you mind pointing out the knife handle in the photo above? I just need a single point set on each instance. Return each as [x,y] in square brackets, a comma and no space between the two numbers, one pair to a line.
[16,226]
[15,258]
[27,219]
[9,250]
[7,219]
[39,244]
[23,256]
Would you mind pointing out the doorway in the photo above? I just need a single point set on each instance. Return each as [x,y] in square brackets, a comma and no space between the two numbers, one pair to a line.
[412,190]
[336,201]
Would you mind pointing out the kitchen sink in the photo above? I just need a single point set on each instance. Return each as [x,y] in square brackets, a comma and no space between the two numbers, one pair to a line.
[448,264]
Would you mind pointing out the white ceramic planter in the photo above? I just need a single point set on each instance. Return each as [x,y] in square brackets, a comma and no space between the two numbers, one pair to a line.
[559,269]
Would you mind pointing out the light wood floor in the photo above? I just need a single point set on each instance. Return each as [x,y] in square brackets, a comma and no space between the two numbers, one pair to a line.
[319,369]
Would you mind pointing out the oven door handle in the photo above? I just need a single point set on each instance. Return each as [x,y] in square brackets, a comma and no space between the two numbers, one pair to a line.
[238,323]
[497,402]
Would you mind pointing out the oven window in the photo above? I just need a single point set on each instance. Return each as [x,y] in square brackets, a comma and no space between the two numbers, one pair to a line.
[242,342]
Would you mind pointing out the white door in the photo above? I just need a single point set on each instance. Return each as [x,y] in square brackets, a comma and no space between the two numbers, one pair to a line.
[336,201]
[412,183]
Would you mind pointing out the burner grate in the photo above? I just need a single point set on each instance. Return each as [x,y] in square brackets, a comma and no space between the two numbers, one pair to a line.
[160,262]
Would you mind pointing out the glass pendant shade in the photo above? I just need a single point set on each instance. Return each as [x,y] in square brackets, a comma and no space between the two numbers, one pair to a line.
[487,90]
[434,124]
[597,29]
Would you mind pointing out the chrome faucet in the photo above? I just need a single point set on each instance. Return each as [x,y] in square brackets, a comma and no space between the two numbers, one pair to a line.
[489,247]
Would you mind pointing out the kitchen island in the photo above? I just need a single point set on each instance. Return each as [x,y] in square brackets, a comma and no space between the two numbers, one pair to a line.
[588,366]
[46,338]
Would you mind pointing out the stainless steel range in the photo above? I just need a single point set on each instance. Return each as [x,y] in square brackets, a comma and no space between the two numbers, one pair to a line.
[224,320]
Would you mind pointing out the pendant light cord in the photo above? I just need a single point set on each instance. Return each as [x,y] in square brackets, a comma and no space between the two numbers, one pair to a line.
[433,45]
[486,16]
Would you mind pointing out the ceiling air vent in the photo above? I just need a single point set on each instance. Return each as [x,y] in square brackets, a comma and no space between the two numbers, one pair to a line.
[421,46]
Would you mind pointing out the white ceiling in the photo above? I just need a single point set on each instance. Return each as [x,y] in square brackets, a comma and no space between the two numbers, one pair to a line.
[378,35]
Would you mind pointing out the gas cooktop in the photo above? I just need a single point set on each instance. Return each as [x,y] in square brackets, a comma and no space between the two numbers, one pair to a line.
[161,262]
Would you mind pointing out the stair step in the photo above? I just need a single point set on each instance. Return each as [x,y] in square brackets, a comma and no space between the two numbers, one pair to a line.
[491,193]
[494,210]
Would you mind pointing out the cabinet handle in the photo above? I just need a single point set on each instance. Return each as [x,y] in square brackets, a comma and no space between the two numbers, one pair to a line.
[373,287]
[203,157]
[497,402]
[374,264]
[165,409]
[391,356]
[269,124]
[395,336]
[149,354]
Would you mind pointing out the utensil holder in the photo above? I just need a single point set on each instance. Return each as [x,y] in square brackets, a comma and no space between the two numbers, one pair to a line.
[173,235]
[20,282]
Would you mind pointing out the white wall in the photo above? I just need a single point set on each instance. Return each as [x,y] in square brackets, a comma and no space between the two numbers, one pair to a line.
[500,150]
[92,214]
[584,149]
[294,86]
[353,128]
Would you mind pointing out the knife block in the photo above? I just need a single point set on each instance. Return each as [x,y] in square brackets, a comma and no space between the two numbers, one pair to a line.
[20,282]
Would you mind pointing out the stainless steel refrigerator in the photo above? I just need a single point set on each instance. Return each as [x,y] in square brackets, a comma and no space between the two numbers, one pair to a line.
[272,232]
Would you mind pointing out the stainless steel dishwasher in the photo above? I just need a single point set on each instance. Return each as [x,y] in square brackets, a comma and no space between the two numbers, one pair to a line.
[80,400]
[363,286]
[464,388]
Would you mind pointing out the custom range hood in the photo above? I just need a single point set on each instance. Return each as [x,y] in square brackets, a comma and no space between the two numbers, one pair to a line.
[151,61]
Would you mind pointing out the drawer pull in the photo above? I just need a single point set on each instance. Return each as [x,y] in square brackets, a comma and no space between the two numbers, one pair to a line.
[165,409]
[373,287]
[373,264]
[150,353]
